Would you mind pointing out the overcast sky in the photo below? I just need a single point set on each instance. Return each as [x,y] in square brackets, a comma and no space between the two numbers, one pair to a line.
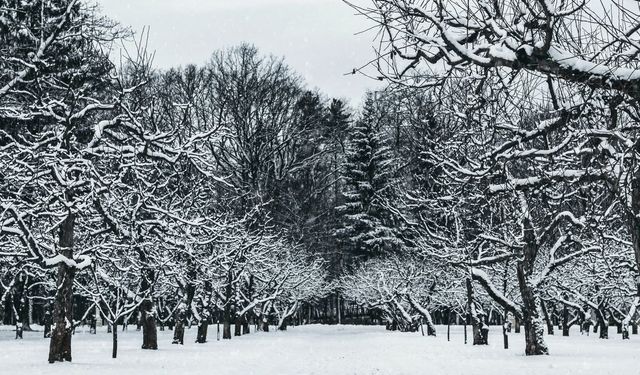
[316,37]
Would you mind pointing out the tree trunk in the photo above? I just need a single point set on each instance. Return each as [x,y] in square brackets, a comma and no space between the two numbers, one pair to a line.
[203,327]
[264,318]
[178,332]
[339,310]
[603,324]
[60,345]
[505,329]
[246,329]
[48,320]
[149,330]
[226,324]
[565,321]
[147,308]
[238,326]
[480,332]
[282,325]
[226,329]
[114,335]
[448,325]
[533,326]
[547,319]
[465,331]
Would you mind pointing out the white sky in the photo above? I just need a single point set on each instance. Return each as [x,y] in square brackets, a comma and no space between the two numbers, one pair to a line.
[316,37]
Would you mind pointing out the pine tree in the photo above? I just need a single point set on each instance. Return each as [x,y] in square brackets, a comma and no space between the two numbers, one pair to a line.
[367,229]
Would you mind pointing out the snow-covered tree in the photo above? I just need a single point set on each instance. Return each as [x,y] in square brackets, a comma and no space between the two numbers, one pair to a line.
[368,226]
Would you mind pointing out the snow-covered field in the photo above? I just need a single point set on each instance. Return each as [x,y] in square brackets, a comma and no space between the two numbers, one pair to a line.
[326,350]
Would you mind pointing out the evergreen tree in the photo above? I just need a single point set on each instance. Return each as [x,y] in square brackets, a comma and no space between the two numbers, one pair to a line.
[338,120]
[367,229]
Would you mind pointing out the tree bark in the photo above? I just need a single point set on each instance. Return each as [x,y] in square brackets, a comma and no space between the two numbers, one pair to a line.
[237,331]
[480,332]
[149,330]
[60,345]
[448,324]
[114,335]
[565,321]
[226,329]
[147,308]
[533,326]
[178,333]
[245,326]
[547,319]
[203,327]
[603,324]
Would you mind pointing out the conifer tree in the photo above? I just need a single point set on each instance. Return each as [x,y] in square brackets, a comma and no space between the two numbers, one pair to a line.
[367,229]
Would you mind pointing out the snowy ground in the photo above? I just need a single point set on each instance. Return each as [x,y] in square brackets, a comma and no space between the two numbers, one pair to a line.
[321,349]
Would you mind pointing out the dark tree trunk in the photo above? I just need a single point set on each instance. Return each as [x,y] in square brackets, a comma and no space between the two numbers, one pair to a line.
[634,222]
[246,329]
[93,323]
[448,325]
[203,327]
[147,309]
[505,329]
[480,332]
[237,329]
[60,345]
[533,327]
[265,322]
[178,332]
[465,331]
[282,325]
[226,325]
[603,324]
[226,330]
[565,321]
[114,335]
[547,319]
[47,330]
[149,330]
[264,318]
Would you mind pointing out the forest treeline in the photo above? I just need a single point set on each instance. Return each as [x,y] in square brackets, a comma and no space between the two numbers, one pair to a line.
[494,179]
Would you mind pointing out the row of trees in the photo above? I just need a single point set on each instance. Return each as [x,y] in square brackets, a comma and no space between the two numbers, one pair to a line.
[495,177]
[526,189]
[176,196]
